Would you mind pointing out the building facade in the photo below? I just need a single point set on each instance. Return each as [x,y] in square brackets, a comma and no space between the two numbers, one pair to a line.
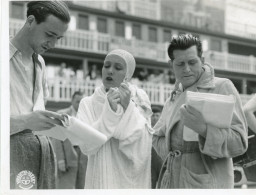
[144,28]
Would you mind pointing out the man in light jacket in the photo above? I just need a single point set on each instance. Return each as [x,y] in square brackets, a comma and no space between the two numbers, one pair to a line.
[207,161]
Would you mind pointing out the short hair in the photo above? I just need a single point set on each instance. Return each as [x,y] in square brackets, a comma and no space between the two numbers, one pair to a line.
[42,9]
[184,41]
[156,109]
[77,93]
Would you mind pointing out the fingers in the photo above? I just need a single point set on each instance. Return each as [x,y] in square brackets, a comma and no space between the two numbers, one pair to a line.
[53,122]
[184,111]
[124,90]
[51,114]
[124,86]
[191,109]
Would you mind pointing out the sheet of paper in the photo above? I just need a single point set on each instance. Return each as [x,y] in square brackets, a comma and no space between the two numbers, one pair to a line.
[216,109]
[78,132]
[189,134]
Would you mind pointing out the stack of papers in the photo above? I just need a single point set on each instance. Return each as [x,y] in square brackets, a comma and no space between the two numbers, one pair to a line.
[78,132]
[216,109]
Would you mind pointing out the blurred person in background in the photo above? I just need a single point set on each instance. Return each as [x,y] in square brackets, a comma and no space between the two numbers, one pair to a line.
[122,112]
[206,160]
[62,73]
[32,156]
[156,161]
[71,162]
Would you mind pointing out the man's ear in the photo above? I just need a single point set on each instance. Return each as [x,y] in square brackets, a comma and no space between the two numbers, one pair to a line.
[170,64]
[30,20]
[202,59]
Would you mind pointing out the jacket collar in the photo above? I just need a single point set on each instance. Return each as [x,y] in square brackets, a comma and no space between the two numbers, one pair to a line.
[206,81]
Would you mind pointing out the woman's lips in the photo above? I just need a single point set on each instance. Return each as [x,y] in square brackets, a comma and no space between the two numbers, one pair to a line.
[109,78]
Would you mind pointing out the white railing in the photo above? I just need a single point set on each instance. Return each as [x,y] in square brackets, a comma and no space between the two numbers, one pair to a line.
[61,90]
[142,49]
[231,62]
[85,41]
[242,30]
[101,43]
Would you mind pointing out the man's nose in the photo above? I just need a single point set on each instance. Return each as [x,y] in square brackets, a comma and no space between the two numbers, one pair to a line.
[187,68]
[51,43]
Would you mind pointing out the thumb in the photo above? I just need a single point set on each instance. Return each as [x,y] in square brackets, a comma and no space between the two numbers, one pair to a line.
[51,114]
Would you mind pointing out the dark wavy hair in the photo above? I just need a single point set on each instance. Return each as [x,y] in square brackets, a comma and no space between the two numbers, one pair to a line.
[42,9]
[80,93]
[183,42]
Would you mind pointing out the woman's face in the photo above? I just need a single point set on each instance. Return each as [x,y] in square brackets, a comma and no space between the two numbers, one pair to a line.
[113,71]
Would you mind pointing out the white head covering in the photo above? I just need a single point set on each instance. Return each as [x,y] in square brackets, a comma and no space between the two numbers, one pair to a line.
[129,61]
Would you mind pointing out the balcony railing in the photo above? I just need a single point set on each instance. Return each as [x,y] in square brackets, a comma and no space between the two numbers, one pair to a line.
[231,62]
[242,30]
[90,41]
[61,90]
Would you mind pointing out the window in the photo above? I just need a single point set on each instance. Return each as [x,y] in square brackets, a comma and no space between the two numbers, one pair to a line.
[251,87]
[167,35]
[152,35]
[120,29]
[83,22]
[136,31]
[216,45]
[196,35]
[102,25]
[17,10]
[182,32]
[238,84]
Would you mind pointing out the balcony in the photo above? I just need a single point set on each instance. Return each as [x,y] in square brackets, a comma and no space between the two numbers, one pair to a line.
[89,41]
[241,30]
[61,90]
[231,62]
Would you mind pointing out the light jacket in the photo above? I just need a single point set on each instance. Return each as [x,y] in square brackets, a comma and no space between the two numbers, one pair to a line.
[212,167]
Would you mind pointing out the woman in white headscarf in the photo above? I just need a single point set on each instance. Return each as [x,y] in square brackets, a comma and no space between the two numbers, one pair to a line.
[122,112]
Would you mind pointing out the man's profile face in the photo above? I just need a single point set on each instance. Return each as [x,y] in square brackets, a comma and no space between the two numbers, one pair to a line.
[187,66]
[43,36]
[76,100]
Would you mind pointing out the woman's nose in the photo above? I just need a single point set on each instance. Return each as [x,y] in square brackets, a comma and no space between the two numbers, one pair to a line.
[110,70]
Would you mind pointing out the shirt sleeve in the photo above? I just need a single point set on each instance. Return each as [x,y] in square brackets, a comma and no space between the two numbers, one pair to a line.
[159,139]
[227,142]
[44,78]
[106,122]
[134,135]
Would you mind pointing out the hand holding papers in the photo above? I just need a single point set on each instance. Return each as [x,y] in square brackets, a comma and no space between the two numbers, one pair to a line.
[216,109]
[78,132]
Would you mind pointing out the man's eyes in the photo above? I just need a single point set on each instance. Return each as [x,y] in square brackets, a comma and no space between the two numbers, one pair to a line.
[49,35]
[52,35]
[179,64]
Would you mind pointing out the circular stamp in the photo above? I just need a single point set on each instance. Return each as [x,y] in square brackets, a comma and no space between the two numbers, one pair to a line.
[25,179]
